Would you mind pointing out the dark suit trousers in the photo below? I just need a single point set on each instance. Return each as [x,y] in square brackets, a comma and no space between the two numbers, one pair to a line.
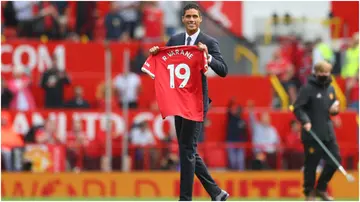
[188,132]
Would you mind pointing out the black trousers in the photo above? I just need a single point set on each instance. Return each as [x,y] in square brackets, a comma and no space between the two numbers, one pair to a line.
[188,132]
[313,154]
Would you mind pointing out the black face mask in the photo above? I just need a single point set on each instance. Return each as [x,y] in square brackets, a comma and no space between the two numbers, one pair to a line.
[322,79]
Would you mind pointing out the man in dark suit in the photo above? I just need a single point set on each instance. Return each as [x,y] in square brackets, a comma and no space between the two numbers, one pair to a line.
[188,131]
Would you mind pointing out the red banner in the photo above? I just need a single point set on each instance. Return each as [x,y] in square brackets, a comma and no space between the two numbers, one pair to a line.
[215,130]
[45,158]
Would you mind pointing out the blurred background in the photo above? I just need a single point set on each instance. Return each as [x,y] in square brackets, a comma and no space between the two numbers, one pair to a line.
[79,118]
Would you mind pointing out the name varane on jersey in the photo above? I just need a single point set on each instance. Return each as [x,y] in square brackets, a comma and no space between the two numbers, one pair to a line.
[177,71]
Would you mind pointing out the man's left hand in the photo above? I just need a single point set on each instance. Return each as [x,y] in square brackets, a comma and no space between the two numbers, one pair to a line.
[203,47]
[335,107]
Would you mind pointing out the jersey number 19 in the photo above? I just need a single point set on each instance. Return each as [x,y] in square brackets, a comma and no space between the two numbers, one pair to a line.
[176,71]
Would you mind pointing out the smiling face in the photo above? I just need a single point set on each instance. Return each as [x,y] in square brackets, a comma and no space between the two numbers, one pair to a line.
[191,20]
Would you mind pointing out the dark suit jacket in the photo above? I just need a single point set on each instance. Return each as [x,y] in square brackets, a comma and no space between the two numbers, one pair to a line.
[217,62]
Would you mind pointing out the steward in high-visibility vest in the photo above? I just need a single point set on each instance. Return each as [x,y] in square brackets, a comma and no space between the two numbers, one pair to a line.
[351,65]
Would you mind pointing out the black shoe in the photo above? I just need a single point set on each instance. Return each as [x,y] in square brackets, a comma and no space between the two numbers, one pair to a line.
[324,195]
[223,196]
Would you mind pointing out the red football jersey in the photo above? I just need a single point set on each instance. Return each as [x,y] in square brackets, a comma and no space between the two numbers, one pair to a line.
[177,71]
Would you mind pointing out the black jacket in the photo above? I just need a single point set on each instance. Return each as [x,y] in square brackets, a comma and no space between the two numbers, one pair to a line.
[217,62]
[77,104]
[54,95]
[236,128]
[312,105]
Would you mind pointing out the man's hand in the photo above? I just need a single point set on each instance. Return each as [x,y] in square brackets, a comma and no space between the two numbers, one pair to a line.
[334,107]
[154,50]
[203,47]
[307,126]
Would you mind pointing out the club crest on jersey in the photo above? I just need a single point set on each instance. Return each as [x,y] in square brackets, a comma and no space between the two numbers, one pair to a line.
[331,96]
[311,150]
[318,95]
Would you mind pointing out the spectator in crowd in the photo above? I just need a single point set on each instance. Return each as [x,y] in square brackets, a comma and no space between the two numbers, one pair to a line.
[352,92]
[86,15]
[260,162]
[350,71]
[78,100]
[29,137]
[24,16]
[170,160]
[9,15]
[293,147]
[139,60]
[75,143]
[172,16]
[141,136]
[116,144]
[62,8]
[351,67]
[47,21]
[115,26]
[53,81]
[322,51]
[48,134]
[265,137]
[128,87]
[152,19]
[34,17]
[9,140]
[129,12]
[6,95]
[94,151]
[19,86]
[101,95]
[278,66]
[306,63]
[284,70]
[236,133]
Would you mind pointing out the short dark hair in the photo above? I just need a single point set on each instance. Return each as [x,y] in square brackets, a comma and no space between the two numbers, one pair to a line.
[191,6]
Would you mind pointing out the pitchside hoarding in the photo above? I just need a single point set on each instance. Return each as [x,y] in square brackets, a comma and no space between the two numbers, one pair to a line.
[267,184]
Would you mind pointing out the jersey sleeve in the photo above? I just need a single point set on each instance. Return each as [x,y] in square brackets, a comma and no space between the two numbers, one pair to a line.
[149,66]
[204,67]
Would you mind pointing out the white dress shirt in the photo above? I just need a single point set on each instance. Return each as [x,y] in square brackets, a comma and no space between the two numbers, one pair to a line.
[193,39]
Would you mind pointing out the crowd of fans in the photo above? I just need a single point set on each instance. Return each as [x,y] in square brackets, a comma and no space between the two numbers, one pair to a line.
[294,59]
[150,21]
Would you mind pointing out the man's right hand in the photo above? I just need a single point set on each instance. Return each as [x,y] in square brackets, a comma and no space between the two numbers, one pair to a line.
[307,126]
[154,50]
